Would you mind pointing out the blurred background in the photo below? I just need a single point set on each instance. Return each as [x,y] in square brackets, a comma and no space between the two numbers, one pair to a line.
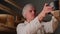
[10,13]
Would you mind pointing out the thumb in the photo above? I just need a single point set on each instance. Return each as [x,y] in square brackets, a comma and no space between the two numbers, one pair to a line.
[46,4]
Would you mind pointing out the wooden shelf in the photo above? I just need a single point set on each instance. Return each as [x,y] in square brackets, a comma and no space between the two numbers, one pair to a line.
[13,3]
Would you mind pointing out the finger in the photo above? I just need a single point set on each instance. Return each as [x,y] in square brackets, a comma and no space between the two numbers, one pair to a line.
[49,7]
[46,4]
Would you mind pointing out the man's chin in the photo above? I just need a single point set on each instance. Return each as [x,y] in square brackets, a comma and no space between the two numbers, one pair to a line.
[33,18]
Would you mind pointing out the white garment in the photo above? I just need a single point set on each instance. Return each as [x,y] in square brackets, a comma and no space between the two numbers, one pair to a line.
[34,27]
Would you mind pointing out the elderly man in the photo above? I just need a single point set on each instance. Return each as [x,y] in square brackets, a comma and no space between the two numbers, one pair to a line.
[34,25]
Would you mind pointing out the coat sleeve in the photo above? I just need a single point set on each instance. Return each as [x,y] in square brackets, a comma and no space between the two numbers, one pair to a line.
[20,28]
[33,26]
[30,28]
[50,26]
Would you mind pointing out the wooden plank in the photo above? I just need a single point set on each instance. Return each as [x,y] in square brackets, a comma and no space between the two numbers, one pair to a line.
[59,4]
[2,7]
[13,3]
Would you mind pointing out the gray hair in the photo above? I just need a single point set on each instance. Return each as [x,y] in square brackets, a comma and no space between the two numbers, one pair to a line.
[25,9]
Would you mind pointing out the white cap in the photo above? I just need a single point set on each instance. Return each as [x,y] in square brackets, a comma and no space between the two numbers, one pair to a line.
[25,9]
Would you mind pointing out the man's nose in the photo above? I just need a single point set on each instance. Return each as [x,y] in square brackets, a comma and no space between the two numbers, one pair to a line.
[33,12]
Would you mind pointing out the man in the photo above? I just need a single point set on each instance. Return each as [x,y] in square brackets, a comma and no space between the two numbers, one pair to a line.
[34,25]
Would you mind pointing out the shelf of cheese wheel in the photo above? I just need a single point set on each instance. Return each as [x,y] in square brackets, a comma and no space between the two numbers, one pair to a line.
[7,23]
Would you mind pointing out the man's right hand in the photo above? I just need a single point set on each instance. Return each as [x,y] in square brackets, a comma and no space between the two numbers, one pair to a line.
[46,10]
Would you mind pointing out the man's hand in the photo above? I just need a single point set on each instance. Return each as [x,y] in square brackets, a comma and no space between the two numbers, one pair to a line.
[46,10]
[56,14]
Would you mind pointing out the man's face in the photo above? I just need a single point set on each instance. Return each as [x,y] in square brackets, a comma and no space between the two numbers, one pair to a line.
[30,14]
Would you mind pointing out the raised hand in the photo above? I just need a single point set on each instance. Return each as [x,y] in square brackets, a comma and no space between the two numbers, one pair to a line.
[47,8]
